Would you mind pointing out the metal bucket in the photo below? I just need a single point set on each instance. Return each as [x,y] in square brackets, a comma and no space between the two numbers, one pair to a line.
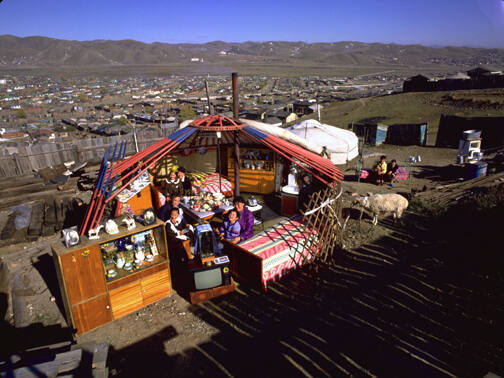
[476,170]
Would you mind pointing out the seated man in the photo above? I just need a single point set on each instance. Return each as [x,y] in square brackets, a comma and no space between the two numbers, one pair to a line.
[392,171]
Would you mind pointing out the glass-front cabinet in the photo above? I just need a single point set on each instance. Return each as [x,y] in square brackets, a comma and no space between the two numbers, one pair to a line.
[106,278]
[131,253]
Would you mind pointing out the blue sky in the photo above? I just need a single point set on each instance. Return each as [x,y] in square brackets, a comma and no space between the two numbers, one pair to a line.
[429,22]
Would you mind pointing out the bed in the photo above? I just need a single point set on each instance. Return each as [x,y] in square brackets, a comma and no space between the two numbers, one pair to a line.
[269,255]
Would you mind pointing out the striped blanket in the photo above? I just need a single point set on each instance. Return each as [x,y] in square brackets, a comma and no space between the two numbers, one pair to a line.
[210,182]
[282,248]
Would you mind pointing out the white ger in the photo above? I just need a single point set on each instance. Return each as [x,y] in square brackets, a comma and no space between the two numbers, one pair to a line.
[379,204]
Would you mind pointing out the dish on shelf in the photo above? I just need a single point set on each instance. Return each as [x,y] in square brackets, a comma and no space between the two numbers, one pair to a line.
[149,258]
[111,273]
[128,266]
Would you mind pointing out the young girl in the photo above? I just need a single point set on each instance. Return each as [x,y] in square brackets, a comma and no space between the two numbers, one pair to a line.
[173,185]
[230,228]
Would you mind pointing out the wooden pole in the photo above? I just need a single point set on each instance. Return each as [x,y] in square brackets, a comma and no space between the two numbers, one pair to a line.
[237,163]
[236,95]
[208,99]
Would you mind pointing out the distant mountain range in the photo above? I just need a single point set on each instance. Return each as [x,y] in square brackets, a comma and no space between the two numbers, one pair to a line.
[16,52]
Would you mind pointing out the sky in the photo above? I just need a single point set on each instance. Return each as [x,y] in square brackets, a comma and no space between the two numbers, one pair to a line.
[475,23]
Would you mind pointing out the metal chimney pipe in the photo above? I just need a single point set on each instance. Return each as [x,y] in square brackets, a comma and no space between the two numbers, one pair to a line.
[236,96]
[236,102]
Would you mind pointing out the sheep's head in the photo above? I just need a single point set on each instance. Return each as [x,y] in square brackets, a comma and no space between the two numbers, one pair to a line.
[361,201]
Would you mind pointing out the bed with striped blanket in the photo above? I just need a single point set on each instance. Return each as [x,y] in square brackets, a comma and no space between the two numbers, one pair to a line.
[271,254]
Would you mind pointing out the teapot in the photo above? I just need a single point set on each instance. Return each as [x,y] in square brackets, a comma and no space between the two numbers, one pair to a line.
[120,260]
[252,201]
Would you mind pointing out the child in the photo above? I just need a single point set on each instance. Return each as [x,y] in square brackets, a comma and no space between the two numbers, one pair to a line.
[381,170]
[392,171]
[178,231]
[173,185]
[230,228]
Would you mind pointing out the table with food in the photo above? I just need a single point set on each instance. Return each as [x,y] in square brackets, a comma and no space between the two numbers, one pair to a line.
[205,206]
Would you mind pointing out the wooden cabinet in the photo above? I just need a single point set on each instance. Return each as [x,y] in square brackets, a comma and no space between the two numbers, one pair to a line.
[261,179]
[126,299]
[89,299]
[155,287]
[91,314]
[135,295]
[80,267]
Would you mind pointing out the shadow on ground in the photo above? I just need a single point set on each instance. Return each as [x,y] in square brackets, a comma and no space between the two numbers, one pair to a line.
[401,305]
[441,175]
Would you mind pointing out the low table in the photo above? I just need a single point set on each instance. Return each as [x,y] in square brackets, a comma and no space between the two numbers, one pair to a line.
[257,212]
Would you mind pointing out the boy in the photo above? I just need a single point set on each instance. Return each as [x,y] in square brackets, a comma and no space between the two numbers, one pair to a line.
[381,170]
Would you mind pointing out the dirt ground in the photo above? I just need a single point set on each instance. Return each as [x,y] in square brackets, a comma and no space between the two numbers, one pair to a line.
[393,303]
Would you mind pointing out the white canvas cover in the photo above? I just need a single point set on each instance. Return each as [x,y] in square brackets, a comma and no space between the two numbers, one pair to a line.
[341,145]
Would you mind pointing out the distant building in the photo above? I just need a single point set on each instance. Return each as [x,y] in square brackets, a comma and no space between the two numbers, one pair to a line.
[43,134]
[302,108]
[477,78]
[13,135]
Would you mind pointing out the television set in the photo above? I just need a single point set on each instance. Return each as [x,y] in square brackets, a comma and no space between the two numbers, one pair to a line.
[204,277]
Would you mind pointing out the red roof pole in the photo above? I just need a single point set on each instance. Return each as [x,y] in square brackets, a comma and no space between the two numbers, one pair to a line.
[322,165]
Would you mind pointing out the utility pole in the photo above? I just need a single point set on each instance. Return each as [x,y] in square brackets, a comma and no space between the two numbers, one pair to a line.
[208,99]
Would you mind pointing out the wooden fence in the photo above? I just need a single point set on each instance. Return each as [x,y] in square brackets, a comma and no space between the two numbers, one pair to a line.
[91,150]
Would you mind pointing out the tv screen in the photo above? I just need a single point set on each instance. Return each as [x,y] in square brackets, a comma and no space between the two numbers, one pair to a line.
[207,279]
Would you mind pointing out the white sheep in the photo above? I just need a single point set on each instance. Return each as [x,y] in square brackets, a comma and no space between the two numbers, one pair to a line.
[383,203]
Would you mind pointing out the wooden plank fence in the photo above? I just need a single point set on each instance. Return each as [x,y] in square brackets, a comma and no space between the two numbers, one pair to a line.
[91,150]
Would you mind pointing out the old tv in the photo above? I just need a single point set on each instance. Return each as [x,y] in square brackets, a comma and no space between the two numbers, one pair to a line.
[207,277]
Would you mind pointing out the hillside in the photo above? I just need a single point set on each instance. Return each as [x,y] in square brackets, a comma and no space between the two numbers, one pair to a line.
[416,107]
[29,52]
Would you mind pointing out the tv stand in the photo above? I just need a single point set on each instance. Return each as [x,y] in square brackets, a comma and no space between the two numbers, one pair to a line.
[204,295]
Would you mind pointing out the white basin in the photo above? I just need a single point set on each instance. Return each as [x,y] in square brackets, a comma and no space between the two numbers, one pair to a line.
[290,189]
